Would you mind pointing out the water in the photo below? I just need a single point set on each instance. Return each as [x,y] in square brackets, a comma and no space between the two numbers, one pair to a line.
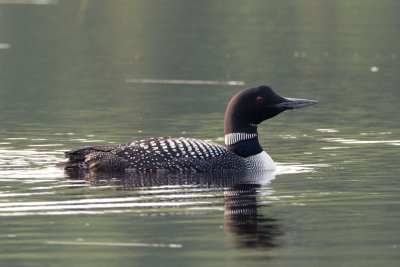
[78,73]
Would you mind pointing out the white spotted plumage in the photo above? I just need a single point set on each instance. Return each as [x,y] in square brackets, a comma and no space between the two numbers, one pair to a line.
[173,154]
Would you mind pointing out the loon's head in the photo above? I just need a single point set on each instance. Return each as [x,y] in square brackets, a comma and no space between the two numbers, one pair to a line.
[250,107]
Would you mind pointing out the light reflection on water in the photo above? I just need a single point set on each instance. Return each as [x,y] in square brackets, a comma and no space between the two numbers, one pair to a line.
[30,2]
[187,193]
[139,192]
[237,195]
[357,141]
[34,188]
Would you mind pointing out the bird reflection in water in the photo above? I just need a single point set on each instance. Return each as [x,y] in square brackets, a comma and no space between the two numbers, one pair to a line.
[245,225]
[242,217]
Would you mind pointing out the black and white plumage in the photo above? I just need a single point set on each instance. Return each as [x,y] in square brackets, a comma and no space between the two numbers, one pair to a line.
[164,153]
[245,111]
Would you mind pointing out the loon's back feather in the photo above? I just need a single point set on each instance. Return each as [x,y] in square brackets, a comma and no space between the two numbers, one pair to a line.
[164,153]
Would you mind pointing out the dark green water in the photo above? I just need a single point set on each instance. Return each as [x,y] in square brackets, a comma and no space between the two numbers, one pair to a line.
[78,73]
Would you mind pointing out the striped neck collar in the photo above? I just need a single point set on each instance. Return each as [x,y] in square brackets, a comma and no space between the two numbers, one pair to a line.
[233,138]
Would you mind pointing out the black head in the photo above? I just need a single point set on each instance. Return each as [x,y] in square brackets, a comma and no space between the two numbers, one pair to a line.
[250,107]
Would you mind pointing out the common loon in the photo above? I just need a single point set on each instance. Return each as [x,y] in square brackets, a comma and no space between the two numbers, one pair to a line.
[245,111]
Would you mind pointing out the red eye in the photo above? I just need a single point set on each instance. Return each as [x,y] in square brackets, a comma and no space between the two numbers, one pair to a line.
[260,100]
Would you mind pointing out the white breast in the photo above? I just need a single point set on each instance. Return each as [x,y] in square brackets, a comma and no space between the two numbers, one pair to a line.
[261,162]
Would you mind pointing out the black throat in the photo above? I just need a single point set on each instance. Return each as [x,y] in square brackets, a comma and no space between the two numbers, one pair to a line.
[246,148]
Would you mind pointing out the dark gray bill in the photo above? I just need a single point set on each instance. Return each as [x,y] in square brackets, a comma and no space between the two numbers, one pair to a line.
[292,103]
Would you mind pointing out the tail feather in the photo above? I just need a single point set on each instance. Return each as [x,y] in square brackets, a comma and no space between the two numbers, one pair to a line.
[76,159]
[98,158]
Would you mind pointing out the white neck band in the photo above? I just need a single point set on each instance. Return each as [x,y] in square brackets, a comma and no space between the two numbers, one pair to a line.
[232,138]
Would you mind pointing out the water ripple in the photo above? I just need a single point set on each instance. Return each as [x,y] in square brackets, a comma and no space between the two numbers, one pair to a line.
[357,141]
[32,186]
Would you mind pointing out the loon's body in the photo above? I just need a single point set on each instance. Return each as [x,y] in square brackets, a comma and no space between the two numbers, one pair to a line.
[166,154]
[245,111]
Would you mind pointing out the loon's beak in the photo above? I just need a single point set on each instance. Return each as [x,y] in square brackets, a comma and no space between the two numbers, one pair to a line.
[292,103]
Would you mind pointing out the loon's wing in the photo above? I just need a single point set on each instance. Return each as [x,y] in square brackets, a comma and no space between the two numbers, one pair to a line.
[170,154]
[176,154]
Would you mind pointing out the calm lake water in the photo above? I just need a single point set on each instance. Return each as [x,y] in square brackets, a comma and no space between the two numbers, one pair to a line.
[78,73]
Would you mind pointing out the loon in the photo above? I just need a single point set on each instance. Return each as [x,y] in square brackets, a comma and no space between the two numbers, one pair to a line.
[243,152]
